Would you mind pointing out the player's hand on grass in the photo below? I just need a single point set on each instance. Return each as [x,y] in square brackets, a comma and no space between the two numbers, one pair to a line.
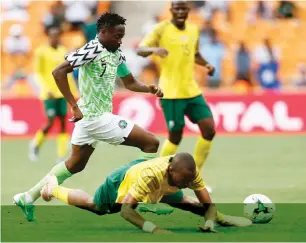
[211,69]
[156,90]
[161,231]
[76,114]
[209,226]
[161,52]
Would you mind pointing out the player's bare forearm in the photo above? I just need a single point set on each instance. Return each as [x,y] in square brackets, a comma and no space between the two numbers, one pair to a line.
[134,85]
[128,213]
[60,76]
[210,207]
[211,211]
[200,60]
[145,51]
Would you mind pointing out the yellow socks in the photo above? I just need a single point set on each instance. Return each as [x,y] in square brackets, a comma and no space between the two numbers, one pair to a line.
[201,151]
[168,148]
[62,145]
[39,138]
[220,217]
[61,193]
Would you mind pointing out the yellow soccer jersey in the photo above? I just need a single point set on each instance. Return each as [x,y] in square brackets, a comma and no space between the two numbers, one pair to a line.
[177,69]
[148,181]
[45,61]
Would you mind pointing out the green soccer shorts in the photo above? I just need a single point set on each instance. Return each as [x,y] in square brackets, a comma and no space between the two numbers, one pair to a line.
[196,109]
[106,195]
[55,107]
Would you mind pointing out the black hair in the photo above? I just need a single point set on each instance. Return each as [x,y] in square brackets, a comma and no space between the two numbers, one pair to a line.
[109,20]
[52,27]
[178,1]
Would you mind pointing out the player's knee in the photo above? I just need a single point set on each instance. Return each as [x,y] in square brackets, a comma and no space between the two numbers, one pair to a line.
[209,133]
[91,205]
[176,137]
[99,213]
[152,145]
[94,208]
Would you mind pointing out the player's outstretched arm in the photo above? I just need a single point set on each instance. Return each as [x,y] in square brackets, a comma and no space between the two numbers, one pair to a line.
[147,51]
[129,213]
[210,214]
[134,85]
[211,210]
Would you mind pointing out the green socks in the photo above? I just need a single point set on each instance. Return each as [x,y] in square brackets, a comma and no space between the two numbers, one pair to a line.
[60,171]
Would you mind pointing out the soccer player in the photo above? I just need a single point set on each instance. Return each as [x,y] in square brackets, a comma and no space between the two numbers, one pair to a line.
[156,180]
[177,43]
[47,58]
[99,62]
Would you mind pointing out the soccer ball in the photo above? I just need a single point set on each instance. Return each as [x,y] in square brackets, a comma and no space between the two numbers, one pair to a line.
[259,208]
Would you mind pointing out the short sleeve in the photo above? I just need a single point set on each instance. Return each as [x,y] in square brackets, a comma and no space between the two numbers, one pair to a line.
[146,182]
[198,183]
[87,53]
[123,70]
[152,38]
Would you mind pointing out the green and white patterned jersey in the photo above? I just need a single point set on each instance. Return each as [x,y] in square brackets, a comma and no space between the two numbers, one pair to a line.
[98,69]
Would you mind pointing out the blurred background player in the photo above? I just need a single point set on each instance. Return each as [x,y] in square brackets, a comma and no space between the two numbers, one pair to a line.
[47,58]
[177,43]
[156,180]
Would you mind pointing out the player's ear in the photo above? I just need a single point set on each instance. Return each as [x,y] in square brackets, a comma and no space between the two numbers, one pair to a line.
[103,30]
[170,169]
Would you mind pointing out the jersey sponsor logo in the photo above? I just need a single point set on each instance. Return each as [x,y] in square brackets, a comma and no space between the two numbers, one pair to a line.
[122,124]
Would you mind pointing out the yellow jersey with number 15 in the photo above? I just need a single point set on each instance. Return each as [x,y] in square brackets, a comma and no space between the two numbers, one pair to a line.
[177,69]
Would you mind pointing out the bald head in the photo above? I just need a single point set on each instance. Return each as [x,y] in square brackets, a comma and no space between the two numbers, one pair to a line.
[183,161]
[182,170]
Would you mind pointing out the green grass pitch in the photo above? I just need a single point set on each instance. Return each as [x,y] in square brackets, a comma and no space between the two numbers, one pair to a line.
[237,166]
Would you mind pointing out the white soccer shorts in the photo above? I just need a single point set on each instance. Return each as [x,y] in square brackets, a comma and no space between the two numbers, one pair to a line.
[108,128]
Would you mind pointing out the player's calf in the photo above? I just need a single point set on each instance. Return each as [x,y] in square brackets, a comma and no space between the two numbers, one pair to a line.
[78,158]
[151,145]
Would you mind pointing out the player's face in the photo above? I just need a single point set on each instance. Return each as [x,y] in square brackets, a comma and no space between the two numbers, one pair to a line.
[179,12]
[180,179]
[54,36]
[112,37]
